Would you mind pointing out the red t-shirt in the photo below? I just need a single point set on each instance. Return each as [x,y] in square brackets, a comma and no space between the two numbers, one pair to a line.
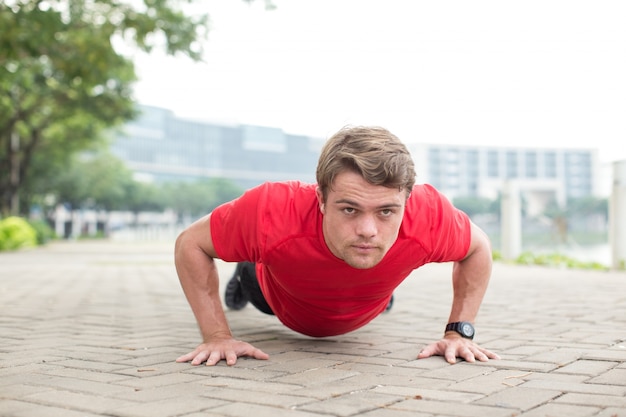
[279,226]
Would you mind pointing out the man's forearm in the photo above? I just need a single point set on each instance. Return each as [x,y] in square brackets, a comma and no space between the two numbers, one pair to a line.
[199,279]
[470,278]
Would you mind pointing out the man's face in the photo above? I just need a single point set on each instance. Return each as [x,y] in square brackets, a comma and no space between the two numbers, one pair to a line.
[361,220]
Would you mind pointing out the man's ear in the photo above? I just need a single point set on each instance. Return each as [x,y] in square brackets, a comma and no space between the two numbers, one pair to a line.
[320,199]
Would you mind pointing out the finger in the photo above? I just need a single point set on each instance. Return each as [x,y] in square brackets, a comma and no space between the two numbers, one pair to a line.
[427,352]
[200,357]
[248,351]
[488,355]
[468,355]
[185,358]
[231,358]
[214,358]
[481,356]
[259,354]
[188,357]
[450,355]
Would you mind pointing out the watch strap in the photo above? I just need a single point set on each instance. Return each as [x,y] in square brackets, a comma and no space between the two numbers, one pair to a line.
[461,327]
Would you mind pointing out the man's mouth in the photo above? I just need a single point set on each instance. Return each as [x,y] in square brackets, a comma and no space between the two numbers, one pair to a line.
[364,248]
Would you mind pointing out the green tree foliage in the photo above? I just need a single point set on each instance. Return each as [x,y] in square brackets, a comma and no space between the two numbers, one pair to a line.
[195,199]
[101,181]
[96,180]
[62,81]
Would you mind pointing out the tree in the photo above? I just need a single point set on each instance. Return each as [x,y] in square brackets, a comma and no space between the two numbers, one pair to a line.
[99,181]
[195,199]
[62,82]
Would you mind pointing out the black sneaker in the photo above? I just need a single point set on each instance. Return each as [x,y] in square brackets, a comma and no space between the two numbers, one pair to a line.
[234,296]
[389,305]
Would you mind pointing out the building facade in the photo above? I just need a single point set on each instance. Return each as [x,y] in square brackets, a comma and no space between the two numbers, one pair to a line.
[159,146]
[541,174]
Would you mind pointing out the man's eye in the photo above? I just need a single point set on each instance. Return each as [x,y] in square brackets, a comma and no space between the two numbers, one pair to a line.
[349,210]
[386,212]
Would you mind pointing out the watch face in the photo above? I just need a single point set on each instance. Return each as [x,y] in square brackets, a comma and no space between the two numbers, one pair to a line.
[467,330]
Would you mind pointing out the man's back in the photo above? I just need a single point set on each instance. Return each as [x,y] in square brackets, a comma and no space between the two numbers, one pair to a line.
[308,288]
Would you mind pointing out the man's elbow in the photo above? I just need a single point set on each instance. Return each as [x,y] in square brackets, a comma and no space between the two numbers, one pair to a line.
[479,242]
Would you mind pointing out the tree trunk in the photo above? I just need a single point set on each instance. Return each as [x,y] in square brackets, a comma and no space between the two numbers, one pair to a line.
[14,180]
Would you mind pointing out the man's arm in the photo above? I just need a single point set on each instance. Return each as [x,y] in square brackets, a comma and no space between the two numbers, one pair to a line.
[470,278]
[194,258]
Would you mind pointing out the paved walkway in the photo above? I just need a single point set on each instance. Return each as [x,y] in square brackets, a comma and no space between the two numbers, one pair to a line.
[93,328]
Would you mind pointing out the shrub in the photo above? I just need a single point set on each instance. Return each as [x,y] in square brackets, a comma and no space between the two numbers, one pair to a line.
[16,233]
[43,230]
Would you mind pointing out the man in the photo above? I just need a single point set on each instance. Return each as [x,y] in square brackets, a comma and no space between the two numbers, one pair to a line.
[328,257]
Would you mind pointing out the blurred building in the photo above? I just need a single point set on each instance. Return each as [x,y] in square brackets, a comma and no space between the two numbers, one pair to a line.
[159,146]
[541,174]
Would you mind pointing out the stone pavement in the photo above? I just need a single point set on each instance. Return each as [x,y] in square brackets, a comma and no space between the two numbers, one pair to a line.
[93,328]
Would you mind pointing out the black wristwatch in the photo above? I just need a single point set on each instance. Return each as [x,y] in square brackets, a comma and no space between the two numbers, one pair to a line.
[464,328]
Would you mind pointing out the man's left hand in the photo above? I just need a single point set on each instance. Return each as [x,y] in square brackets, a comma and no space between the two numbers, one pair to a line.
[452,347]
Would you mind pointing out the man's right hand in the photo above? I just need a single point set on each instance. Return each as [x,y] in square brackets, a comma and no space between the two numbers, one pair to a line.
[225,349]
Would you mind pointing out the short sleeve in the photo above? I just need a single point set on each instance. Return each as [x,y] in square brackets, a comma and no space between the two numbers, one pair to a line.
[443,231]
[235,227]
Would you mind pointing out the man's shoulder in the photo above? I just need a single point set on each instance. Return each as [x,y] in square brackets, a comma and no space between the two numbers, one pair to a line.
[277,191]
[423,193]
[286,185]
[286,198]
[424,199]
[423,189]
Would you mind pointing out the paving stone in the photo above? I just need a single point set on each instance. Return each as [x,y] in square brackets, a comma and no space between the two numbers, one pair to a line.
[593,400]
[447,408]
[164,408]
[79,385]
[587,388]
[147,381]
[460,371]
[93,329]
[391,412]
[520,398]
[96,404]
[556,410]
[558,356]
[317,376]
[612,412]
[524,365]
[429,394]
[352,404]
[607,355]
[235,409]
[25,409]
[489,383]
[245,385]
[612,377]
[586,367]
[337,388]
[256,397]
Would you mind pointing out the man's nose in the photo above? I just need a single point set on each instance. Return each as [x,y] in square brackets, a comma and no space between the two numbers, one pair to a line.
[366,226]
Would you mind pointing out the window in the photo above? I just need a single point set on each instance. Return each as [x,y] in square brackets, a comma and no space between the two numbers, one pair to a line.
[531,164]
[493,168]
[550,164]
[511,164]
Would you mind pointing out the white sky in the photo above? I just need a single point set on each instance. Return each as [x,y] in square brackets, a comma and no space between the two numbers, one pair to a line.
[524,73]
